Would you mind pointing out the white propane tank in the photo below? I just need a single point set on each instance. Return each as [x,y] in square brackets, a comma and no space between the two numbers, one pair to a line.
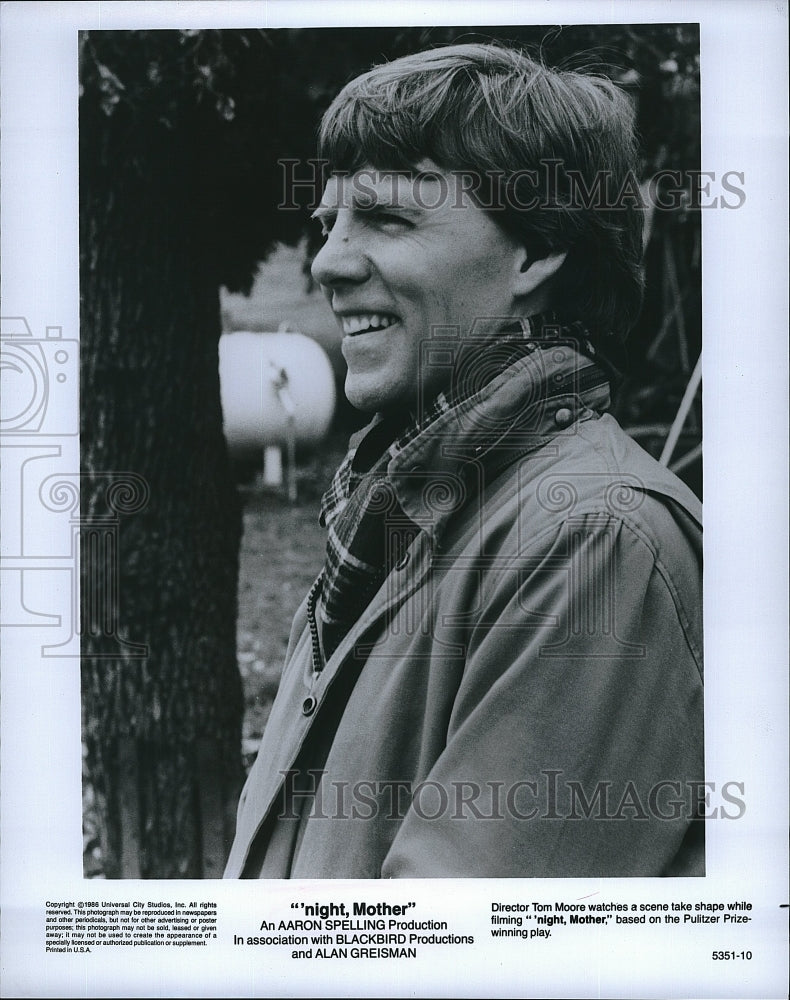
[265,378]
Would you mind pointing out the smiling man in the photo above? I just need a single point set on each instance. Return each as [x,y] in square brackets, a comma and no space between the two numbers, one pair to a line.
[498,671]
[410,253]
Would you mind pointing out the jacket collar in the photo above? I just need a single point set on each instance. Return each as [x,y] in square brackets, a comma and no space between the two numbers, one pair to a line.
[539,396]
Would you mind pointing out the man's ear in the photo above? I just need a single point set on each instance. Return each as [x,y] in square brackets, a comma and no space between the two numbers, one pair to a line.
[534,273]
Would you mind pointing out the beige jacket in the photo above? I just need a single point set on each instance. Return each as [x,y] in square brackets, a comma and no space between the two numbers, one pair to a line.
[523,697]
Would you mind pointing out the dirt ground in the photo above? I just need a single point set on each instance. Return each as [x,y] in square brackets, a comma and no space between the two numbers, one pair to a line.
[282,551]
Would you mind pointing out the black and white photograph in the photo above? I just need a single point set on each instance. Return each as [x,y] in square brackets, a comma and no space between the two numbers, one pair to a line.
[363,380]
[497,668]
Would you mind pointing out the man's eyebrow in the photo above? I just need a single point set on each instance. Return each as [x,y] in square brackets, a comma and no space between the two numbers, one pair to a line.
[392,200]
[366,203]
[382,197]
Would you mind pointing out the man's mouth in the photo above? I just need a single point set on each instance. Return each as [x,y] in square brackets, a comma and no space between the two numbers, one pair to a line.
[367,322]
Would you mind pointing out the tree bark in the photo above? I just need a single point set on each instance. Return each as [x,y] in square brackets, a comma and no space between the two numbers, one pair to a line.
[160,520]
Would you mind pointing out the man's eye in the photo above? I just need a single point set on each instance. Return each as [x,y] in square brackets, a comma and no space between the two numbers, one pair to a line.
[391,219]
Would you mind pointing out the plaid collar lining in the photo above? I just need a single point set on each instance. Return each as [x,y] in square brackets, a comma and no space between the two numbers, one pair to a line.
[368,528]
[519,337]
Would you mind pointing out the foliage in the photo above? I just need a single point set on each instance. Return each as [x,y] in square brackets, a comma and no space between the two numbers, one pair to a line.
[204,116]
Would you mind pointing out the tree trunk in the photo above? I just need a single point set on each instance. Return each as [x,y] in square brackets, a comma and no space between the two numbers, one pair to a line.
[160,521]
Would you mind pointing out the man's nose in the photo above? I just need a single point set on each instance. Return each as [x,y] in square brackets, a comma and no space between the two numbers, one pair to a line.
[341,259]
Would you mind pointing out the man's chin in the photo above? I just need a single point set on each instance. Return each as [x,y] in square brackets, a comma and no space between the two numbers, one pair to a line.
[371,397]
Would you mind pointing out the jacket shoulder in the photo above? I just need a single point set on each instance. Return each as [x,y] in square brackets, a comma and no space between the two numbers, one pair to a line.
[602,446]
[593,468]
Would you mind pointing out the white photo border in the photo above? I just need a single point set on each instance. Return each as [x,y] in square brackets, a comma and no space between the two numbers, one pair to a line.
[744,74]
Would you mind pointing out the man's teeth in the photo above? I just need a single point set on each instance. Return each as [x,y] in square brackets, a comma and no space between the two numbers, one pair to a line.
[365,322]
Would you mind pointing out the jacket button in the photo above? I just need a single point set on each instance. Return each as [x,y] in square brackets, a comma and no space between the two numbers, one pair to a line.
[308,705]
[563,417]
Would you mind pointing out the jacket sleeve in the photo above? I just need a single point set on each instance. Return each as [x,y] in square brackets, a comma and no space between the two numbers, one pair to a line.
[576,737]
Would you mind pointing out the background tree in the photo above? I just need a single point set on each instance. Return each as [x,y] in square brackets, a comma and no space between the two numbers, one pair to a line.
[181,134]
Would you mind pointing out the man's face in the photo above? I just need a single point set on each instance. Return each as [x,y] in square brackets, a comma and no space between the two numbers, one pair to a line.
[404,254]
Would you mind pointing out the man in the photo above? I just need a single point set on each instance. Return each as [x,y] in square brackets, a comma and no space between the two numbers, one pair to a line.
[498,671]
